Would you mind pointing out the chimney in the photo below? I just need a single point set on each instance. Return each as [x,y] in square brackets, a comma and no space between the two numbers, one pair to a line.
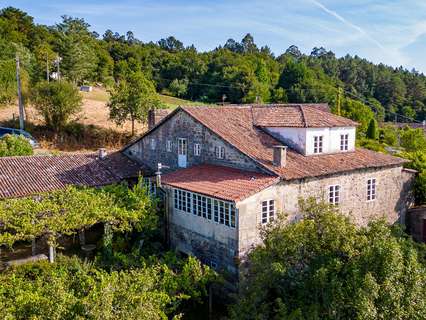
[102,153]
[151,118]
[280,156]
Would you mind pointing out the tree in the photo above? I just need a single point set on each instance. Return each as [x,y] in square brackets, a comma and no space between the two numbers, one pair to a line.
[372,131]
[57,102]
[413,139]
[76,46]
[131,99]
[11,145]
[178,87]
[324,267]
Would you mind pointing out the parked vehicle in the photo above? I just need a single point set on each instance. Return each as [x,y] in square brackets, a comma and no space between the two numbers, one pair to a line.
[19,132]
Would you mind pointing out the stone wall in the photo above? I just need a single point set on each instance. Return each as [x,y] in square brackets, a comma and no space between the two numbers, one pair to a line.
[416,223]
[214,244]
[183,125]
[393,199]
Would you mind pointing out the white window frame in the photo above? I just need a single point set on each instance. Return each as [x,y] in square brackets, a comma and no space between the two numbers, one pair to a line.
[334,194]
[371,189]
[197,149]
[344,142]
[153,144]
[268,210]
[169,145]
[212,209]
[318,144]
[219,152]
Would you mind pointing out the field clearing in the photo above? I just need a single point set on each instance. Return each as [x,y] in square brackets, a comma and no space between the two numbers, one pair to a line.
[98,129]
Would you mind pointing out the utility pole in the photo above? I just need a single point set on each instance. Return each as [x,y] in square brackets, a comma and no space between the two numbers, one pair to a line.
[58,60]
[47,68]
[338,102]
[20,101]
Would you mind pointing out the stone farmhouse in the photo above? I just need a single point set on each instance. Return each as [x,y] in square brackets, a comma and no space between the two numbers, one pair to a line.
[230,169]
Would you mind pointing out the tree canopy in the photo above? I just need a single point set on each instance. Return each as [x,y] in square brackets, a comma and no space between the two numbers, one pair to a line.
[324,267]
[238,71]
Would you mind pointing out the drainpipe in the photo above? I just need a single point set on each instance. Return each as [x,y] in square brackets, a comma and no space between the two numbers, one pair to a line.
[166,202]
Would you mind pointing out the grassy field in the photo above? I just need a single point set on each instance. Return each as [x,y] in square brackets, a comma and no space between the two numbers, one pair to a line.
[92,129]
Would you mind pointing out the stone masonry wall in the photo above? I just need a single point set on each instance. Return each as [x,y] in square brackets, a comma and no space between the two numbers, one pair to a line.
[214,244]
[182,125]
[393,199]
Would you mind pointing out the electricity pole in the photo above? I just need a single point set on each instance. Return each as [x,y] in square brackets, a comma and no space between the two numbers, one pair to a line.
[339,93]
[47,67]
[59,74]
[20,101]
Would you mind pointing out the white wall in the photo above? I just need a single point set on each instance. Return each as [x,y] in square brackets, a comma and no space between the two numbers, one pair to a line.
[302,139]
[331,139]
[292,137]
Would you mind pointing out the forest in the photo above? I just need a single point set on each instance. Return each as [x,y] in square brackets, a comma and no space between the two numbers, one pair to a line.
[234,72]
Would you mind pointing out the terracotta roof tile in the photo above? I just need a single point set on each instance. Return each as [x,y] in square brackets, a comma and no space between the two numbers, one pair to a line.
[235,125]
[302,115]
[23,176]
[218,181]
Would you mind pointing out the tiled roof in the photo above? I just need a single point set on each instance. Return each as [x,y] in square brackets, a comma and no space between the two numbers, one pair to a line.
[218,181]
[23,176]
[298,115]
[235,125]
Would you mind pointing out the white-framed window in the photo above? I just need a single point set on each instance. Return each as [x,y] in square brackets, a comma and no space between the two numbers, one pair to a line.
[197,149]
[268,211]
[334,194]
[153,144]
[169,146]
[318,142]
[218,211]
[344,142]
[371,189]
[219,152]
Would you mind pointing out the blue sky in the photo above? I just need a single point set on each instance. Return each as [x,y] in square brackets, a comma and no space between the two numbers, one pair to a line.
[388,31]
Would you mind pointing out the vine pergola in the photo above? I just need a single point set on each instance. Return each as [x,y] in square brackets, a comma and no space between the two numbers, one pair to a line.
[74,209]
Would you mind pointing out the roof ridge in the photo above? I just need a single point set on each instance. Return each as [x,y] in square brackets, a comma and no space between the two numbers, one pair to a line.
[303,115]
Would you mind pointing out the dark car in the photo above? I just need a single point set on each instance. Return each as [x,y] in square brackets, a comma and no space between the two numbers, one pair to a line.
[19,132]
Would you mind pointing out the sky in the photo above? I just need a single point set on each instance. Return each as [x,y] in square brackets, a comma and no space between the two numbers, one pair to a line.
[388,31]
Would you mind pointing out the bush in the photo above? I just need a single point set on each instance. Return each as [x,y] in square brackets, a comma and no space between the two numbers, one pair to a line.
[57,102]
[324,267]
[12,145]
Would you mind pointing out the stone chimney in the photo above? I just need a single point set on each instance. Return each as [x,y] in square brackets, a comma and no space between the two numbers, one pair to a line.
[102,153]
[280,156]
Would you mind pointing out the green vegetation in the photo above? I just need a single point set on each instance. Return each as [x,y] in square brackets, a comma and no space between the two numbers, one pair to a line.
[12,145]
[125,281]
[73,209]
[132,98]
[57,102]
[324,267]
[235,72]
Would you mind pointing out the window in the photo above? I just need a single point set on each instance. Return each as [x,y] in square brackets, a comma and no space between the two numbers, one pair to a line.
[344,142]
[221,212]
[169,146]
[182,200]
[371,189]
[268,211]
[220,152]
[334,194]
[197,149]
[318,144]
[152,144]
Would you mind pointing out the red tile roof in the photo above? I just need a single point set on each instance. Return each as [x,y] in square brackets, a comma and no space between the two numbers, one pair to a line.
[219,182]
[301,115]
[236,126]
[23,176]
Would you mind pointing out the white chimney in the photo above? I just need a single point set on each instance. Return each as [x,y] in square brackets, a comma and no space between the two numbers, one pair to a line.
[280,156]
[102,153]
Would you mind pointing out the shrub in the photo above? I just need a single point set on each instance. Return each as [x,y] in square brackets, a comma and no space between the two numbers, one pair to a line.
[12,145]
[56,102]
